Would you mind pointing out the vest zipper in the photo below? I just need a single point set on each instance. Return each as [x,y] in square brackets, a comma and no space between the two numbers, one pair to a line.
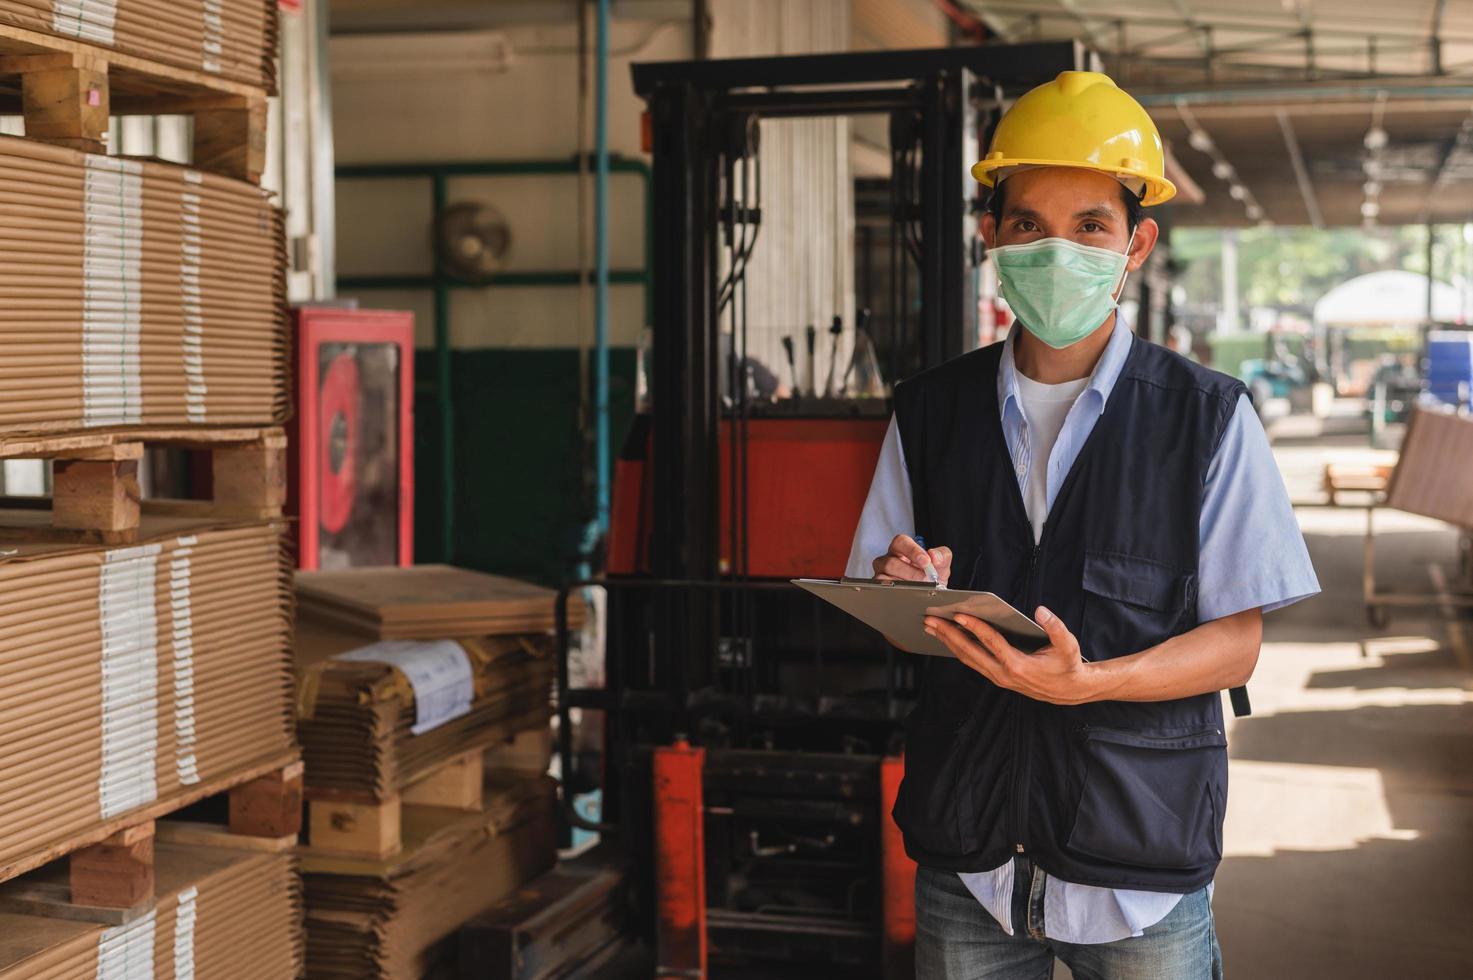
[1022,758]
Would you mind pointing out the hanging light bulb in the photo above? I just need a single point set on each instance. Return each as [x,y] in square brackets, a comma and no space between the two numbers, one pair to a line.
[1199,140]
[1376,138]
[1254,212]
[1371,187]
[1238,192]
[1222,170]
[1369,209]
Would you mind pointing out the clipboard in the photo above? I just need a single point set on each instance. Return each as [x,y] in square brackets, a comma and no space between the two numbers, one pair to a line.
[898,610]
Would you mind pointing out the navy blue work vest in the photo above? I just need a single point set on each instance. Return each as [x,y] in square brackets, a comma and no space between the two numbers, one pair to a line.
[1113,793]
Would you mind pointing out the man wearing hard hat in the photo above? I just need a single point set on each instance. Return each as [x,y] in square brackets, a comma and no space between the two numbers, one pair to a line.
[1069,802]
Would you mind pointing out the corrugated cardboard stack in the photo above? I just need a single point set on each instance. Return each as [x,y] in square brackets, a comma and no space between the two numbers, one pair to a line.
[143,303]
[136,293]
[235,39]
[357,718]
[403,674]
[133,676]
[220,913]
[395,919]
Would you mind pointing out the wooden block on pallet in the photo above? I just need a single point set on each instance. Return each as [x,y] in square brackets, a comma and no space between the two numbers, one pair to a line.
[269,806]
[90,494]
[354,829]
[64,97]
[232,140]
[456,784]
[117,873]
[251,478]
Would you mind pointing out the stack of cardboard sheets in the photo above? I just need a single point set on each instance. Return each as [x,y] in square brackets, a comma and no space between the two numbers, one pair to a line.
[219,915]
[136,293]
[393,919]
[139,675]
[356,718]
[234,39]
[428,602]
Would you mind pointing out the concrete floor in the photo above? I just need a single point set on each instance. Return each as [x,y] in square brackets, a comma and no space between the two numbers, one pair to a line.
[1349,842]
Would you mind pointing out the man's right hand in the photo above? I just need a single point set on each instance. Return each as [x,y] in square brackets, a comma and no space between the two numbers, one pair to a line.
[906,561]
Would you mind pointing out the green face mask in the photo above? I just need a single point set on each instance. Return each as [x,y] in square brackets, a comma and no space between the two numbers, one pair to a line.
[1059,290]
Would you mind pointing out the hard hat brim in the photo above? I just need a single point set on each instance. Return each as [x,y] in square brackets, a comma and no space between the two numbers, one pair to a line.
[1159,190]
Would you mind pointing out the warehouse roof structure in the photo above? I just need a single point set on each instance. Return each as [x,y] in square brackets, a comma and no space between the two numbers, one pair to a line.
[1339,112]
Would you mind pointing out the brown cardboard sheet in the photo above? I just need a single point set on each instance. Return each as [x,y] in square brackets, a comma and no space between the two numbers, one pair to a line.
[136,293]
[428,602]
[167,661]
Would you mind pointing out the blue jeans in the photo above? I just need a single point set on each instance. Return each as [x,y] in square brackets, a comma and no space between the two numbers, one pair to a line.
[958,939]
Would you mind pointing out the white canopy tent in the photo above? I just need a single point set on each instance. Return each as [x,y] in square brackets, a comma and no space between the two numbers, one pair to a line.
[1388,298]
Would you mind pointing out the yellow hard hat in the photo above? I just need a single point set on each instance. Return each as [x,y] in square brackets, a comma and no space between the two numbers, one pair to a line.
[1080,119]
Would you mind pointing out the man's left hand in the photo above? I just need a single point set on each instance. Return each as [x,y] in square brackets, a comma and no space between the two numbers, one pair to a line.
[1056,673]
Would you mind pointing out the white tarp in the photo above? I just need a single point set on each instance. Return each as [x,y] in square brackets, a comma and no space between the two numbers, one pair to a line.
[1387,297]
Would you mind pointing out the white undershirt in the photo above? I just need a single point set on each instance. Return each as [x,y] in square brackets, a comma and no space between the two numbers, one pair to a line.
[1044,409]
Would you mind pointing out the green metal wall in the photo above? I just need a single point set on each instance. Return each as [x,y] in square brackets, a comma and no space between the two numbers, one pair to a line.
[520,496]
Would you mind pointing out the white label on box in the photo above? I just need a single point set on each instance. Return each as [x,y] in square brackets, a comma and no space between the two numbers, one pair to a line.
[182,622]
[129,679]
[439,671]
[112,292]
[126,952]
[86,20]
[184,917]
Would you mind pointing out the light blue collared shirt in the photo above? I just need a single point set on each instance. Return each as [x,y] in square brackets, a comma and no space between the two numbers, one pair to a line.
[1251,556]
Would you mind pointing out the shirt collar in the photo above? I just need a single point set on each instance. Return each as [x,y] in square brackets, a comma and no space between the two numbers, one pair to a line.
[1102,381]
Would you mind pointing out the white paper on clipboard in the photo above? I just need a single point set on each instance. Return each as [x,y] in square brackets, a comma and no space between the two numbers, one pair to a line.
[898,610]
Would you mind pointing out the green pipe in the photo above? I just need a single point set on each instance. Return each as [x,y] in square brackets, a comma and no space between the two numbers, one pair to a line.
[601,268]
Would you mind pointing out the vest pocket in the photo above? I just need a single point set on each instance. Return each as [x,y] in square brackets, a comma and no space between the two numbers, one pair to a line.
[930,804]
[1152,801]
[1131,603]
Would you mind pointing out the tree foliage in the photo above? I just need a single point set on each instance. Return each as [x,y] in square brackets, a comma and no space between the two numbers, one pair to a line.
[1290,268]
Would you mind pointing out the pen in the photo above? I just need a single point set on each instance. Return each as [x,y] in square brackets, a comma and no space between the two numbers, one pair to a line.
[930,567]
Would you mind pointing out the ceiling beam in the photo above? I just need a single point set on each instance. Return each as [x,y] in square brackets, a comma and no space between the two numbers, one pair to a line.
[1301,174]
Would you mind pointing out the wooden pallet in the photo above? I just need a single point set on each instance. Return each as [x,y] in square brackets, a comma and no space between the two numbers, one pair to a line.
[67,91]
[107,874]
[95,496]
[343,824]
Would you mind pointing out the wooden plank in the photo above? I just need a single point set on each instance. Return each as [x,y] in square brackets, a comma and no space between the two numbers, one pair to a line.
[53,900]
[127,443]
[98,495]
[232,141]
[356,830]
[218,835]
[18,40]
[68,106]
[269,805]
[116,872]
[455,784]
[250,477]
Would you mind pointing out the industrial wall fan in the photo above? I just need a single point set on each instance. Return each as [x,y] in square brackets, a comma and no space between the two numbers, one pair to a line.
[472,239]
